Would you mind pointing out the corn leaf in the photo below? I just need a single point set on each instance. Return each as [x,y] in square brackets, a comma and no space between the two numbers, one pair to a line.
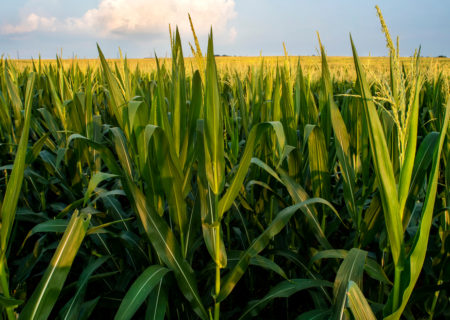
[9,302]
[416,256]
[298,194]
[317,314]
[282,290]
[45,295]
[160,235]
[8,209]
[358,303]
[351,269]
[71,310]
[214,144]
[382,163]
[230,195]
[157,304]
[261,242]
[139,291]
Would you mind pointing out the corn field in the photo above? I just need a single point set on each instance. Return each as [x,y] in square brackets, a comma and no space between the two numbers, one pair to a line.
[192,192]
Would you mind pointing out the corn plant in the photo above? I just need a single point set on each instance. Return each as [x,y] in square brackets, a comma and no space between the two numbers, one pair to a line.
[272,188]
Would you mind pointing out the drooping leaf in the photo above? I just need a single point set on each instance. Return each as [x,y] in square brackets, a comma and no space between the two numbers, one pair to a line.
[139,291]
[158,301]
[351,269]
[161,236]
[72,308]
[9,302]
[358,303]
[232,191]
[282,290]
[57,225]
[44,297]
[281,219]
[96,179]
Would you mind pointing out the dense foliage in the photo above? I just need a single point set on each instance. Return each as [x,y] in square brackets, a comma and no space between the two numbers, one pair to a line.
[166,195]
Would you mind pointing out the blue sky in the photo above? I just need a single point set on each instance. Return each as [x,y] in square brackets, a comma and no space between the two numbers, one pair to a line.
[241,27]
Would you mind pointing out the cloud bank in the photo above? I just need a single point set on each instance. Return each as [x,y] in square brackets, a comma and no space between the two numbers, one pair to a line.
[120,18]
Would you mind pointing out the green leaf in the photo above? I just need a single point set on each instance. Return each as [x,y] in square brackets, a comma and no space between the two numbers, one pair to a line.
[422,162]
[382,163]
[280,221]
[358,303]
[8,208]
[165,244]
[117,93]
[351,269]
[329,254]
[213,144]
[372,268]
[416,256]
[37,147]
[72,309]
[99,228]
[298,194]
[87,308]
[139,291]
[171,178]
[133,113]
[158,301]
[194,113]
[45,295]
[318,164]
[57,225]
[210,227]
[161,236]
[179,107]
[342,143]
[95,180]
[230,195]
[13,92]
[317,314]
[258,260]
[410,152]
[375,271]
[282,290]
[267,264]
[106,154]
[14,186]
[266,167]
[9,302]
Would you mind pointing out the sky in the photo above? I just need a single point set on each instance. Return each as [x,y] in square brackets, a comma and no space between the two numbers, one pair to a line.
[240,27]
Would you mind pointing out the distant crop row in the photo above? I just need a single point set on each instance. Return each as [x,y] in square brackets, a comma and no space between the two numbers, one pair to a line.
[341,68]
[190,191]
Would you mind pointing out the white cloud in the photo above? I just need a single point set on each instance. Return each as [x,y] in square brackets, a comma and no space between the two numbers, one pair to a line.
[128,17]
[232,33]
[31,23]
